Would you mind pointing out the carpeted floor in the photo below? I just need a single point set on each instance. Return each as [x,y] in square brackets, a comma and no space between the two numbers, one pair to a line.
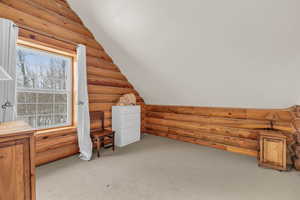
[163,169]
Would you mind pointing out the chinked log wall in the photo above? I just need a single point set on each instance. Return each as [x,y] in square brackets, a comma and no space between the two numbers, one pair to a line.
[106,82]
[230,129]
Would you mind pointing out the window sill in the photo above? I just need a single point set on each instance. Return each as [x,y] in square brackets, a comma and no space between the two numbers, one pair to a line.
[55,130]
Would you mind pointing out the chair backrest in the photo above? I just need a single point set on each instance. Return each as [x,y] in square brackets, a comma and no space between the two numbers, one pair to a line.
[97,120]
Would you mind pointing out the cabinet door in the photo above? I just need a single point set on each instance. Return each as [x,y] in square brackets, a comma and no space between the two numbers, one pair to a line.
[273,152]
[15,170]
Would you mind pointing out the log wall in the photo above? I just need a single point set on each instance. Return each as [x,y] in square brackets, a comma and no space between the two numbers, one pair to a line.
[231,129]
[55,19]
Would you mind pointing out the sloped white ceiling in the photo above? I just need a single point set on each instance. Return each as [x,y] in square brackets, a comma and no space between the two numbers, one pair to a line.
[237,53]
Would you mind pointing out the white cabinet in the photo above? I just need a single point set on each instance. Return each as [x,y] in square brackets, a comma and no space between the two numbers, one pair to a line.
[126,122]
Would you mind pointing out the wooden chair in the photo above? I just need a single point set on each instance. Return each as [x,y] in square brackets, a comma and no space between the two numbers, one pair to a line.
[100,136]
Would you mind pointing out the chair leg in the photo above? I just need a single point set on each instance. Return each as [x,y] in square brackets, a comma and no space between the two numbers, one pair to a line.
[98,143]
[113,141]
[101,142]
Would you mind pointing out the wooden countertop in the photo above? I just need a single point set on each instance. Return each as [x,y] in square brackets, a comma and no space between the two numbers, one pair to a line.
[14,128]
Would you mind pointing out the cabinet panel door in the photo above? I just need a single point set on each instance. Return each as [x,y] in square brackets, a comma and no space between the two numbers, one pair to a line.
[14,174]
[273,151]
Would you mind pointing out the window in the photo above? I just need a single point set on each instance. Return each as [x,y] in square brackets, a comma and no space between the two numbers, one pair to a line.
[44,88]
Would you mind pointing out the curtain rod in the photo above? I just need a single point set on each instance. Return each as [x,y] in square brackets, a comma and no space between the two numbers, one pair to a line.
[46,34]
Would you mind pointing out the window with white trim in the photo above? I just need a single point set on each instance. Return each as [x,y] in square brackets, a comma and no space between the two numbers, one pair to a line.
[44,88]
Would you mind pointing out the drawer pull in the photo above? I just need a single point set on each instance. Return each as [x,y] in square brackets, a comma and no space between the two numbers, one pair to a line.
[2,156]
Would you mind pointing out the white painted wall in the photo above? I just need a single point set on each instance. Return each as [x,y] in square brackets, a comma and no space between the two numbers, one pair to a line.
[237,53]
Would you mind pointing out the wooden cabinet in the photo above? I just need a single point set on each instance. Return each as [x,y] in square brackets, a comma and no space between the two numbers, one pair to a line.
[17,179]
[273,151]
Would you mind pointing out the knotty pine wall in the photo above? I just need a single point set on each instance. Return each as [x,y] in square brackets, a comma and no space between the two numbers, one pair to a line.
[106,82]
[231,129]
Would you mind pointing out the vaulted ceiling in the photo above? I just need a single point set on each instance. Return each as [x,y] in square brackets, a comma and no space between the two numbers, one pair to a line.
[203,52]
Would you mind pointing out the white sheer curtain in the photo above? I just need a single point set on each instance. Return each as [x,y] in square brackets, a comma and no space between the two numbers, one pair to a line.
[8,43]
[83,115]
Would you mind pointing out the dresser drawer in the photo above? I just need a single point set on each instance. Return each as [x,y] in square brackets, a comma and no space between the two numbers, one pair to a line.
[129,121]
[127,136]
[123,110]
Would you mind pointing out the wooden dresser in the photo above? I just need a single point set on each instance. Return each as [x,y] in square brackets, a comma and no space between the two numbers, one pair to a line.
[17,177]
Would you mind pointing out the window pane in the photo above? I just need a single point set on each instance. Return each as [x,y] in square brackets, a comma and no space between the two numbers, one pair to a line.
[21,96]
[61,98]
[44,83]
[60,84]
[30,97]
[45,98]
[26,109]
[31,109]
[60,119]
[60,108]
[29,120]
[45,109]
[43,88]
[44,121]
[21,109]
